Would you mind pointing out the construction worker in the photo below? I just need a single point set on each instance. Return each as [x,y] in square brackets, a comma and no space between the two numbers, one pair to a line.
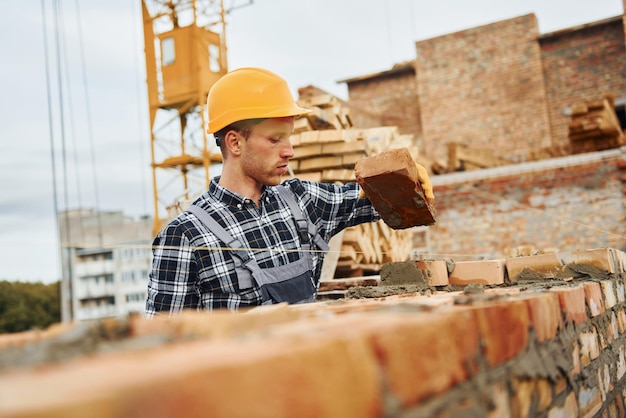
[250,239]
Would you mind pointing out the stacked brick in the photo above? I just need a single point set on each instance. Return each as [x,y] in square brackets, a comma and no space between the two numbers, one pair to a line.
[594,126]
[326,148]
[547,344]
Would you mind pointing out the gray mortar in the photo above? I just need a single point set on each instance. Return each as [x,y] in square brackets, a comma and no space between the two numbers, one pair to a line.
[582,270]
[395,279]
[402,272]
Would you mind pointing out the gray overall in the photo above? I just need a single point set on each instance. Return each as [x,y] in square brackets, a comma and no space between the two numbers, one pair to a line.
[293,282]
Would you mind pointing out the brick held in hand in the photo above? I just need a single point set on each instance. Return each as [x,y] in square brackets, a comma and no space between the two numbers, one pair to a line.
[391,182]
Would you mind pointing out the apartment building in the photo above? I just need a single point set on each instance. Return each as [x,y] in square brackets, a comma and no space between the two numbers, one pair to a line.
[105,260]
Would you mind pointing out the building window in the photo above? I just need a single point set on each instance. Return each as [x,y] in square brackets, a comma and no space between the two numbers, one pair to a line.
[168,53]
[135,297]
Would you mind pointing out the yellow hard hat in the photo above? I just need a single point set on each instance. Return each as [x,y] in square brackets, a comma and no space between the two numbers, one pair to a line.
[249,93]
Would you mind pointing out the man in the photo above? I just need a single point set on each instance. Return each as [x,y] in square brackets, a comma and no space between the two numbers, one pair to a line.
[250,240]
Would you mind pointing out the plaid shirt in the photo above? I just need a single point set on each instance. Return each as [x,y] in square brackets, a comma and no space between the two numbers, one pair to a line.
[191,269]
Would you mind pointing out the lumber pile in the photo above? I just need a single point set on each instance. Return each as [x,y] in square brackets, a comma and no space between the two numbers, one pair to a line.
[544,153]
[326,148]
[594,126]
[462,157]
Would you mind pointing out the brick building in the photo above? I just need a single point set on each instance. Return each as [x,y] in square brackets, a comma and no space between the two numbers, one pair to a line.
[498,86]
[507,89]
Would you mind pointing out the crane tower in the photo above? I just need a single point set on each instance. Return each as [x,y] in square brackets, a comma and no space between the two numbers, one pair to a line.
[185,51]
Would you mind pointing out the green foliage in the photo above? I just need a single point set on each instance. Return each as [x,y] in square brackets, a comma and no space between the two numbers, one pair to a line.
[25,306]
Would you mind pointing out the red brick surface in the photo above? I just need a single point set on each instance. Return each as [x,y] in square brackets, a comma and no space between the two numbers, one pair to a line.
[435,271]
[545,315]
[423,357]
[489,216]
[477,86]
[534,349]
[488,272]
[310,377]
[503,329]
[593,296]
[572,302]
[391,182]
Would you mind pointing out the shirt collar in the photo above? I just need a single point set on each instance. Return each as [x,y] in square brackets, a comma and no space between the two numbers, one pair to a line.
[231,198]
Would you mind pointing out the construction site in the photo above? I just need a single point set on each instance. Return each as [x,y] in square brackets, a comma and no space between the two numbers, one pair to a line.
[504,298]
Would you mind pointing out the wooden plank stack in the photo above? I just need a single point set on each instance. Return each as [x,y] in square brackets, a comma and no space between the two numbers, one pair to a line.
[594,126]
[326,147]
[462,157]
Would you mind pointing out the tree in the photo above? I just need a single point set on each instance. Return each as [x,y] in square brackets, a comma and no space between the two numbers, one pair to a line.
[25,305]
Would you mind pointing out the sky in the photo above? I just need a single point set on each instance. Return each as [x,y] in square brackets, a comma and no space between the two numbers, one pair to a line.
[74,119]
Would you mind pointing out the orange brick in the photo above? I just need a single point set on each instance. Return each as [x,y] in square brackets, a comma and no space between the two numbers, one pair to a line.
[608,293]
[423,356]
[576,368]
[593,296]
[600,259]
[502,291]
[435,271]
[523,390]
[620,259]
[217,324]
[619,403]
[544,394]
[391,182]
[572,303]
[541,266]
[621,321]
[545,314]
[589,346]
[503,328]
[285,377]
[487,272]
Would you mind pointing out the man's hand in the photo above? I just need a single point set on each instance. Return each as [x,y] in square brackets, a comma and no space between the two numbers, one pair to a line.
[424,179]
[425,182]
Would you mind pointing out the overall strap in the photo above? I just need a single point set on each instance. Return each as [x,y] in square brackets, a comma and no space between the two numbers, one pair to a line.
[306,228]
[242,258]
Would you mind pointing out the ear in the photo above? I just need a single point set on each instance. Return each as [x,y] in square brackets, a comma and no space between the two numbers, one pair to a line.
[232,143]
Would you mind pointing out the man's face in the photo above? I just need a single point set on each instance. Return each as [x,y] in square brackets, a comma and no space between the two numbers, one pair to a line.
[267,151]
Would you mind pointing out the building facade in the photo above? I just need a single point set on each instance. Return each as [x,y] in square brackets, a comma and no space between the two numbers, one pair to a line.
[106,259]
[502,86]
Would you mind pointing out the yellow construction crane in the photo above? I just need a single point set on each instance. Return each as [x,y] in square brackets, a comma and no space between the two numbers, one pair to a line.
[185,50]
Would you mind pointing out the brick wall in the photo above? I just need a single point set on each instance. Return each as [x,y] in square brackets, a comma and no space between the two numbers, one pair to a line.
[500,86]
[483,87]
[392,95]
[566,203]
[582,64]
[551,346]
